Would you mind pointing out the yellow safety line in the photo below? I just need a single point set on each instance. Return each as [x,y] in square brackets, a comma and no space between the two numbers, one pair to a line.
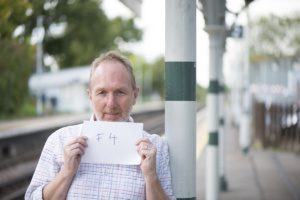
[202,132]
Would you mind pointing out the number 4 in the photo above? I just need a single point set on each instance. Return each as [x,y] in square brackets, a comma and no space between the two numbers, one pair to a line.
[111,136]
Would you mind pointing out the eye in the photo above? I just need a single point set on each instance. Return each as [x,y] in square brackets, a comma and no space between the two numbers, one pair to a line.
[120,92]
[101,93]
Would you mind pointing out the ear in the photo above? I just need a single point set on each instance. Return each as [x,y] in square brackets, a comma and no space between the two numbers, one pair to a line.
[89,93]
[136,92]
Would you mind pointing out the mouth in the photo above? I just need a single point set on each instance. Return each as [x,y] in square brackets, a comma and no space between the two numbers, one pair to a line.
[111,116]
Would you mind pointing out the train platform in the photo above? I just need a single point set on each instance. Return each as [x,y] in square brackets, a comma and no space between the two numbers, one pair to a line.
[259,175]
[10,128]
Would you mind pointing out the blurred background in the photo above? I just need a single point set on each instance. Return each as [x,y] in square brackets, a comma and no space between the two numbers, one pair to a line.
[47,46]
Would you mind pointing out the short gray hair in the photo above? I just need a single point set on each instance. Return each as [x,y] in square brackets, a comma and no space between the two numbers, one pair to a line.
[113,56]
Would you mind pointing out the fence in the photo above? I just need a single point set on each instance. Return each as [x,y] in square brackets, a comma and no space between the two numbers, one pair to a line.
[277,125]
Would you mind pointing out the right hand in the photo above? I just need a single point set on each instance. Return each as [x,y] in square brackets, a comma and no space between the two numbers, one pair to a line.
[73,151]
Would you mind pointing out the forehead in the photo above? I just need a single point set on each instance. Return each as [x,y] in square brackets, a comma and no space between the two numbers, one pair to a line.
[110,73]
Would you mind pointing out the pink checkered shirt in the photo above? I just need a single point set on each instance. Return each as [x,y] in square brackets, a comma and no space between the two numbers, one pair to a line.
[98,181]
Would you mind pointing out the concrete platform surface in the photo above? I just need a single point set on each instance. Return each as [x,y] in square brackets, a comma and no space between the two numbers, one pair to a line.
[259,175]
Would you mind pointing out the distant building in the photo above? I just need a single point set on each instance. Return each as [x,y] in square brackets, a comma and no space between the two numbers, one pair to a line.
[294,83]
[63,91]
[279,78]
[271,73]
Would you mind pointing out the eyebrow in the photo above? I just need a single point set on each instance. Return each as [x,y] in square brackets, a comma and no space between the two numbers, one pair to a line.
[102,88]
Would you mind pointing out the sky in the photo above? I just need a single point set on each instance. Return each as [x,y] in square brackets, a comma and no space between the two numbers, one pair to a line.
[152,21]
[152,24]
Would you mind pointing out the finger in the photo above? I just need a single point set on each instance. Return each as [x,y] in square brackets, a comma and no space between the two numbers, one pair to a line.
[141,140]
[147,155]
[146,150]
[146,147]
[143,154]
[81,140]
[144,144]
[74,149]
[75,152]
[77,146]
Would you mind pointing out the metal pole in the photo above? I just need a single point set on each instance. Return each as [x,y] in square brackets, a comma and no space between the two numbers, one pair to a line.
[245,133]
[39,61]
[180,105]
[212,150]
[214,13]
[222,136]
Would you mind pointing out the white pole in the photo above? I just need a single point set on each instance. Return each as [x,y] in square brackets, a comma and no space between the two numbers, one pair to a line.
[222,135]
[212,150]
[245,133]
[180,105]
[214,14]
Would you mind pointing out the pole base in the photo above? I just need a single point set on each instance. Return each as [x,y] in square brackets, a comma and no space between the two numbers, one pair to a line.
[245,150]
[223,184]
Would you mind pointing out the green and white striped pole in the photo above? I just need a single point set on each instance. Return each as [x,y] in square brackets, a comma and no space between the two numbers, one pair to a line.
[222,136]
[214,14]
[212,150]
[245,132]
[180,85]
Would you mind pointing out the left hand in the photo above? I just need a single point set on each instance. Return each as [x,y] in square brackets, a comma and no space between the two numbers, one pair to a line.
[147,151]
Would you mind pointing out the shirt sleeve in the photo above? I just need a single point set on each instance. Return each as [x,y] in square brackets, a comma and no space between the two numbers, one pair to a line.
[45,171]
[163,168]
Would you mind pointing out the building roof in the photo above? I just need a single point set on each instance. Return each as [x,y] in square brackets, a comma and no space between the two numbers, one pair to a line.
[38,82]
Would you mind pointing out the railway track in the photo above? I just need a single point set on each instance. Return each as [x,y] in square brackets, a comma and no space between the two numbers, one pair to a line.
[18,163]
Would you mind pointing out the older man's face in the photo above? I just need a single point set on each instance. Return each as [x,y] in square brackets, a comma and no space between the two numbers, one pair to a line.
[111,92]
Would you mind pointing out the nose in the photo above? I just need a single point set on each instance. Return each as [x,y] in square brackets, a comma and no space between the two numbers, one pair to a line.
[111,101]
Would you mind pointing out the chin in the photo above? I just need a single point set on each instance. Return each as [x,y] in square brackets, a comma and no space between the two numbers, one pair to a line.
[112,118]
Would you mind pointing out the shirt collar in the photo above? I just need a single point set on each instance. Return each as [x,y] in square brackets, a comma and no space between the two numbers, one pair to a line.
[93,118]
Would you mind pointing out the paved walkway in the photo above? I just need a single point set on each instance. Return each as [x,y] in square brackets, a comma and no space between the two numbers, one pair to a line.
[260,175]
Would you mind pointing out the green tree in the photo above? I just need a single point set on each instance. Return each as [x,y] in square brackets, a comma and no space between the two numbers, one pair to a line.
[12,14]
[16,57]
[149,75]
[153,73]
[16,65]
[158,67]
[274,38]
[201,94]
[86,30]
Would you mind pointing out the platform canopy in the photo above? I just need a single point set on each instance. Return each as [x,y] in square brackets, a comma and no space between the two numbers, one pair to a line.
[134,6]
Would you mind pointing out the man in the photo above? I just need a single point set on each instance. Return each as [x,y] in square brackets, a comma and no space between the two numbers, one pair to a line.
[60,175]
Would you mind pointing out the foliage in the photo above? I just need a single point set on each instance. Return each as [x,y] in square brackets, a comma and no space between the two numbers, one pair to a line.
[159,76]
[274,38]
[16,65]
[76,31]
[149,76]
[153,75]
[85,30]
[201,94]
[12,14]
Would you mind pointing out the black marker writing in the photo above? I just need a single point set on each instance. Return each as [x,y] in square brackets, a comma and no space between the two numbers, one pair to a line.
[99,136]
[111,136]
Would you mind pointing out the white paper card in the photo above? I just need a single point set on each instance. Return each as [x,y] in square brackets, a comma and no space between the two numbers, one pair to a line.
[112,142]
